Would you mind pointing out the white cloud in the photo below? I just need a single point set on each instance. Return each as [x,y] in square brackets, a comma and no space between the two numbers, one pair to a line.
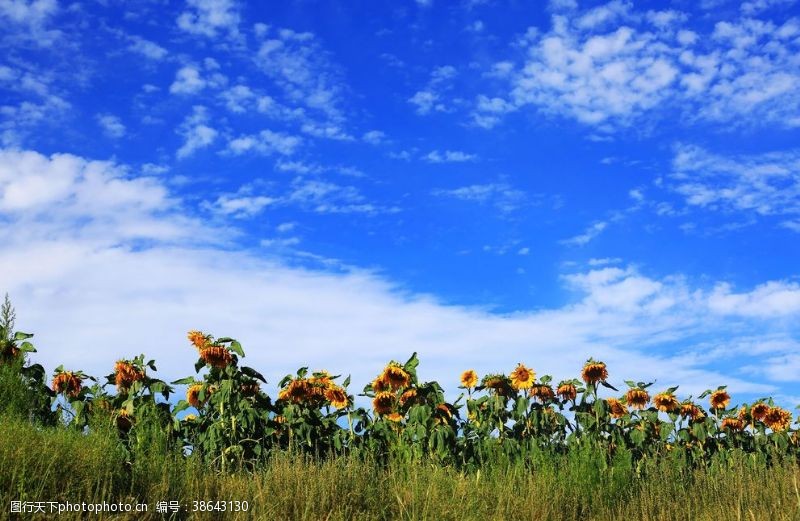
[241,206]
[751,7]
[326,130]
[772,299]
[297,63]
[191,79]
[449,156]
[766,184]
[374,137]
[588,235]
[500,195]
[209,17]
[608,66]
[429,99]
[426,101]
[69,260]
[238,98]
[111,125]
[196,132]
[265,142]
[147,48]
[187,81]
[32,18]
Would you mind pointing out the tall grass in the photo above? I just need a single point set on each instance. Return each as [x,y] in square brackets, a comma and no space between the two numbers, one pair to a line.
[58,464]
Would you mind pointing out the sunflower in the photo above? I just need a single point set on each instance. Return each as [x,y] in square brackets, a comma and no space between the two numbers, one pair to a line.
[408,397]
[216,356]
[383,402]
[778,419]
[637,398]
[616,408]
[126,374]
[198,339]
[759,411]
[337,397]
[542,392]
[567,391]
[379,384]
[469,379]
[719,399]
[666,402]
[68,383]
[692,411]
[395,376]
[193,395]
[297,391]
[522,377]
[742,414]
[594,372]
[322,378]
[733,424]
[498,384]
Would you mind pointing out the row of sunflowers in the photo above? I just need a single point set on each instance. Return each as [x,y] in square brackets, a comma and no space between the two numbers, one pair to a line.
[228,420]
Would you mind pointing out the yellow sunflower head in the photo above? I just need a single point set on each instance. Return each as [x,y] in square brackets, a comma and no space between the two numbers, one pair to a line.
[666,402]
[383,403]
[616,408]
[759,411]
[594,372]
[198,339]
[337,397]
[778,419]
[637,398]
[469,379]
[542,392]
[692,411]
[719,399]
[522,377]
[395,376]
[193,395]
[68,383]
[408,398]
[732,424]
[567,391]
[216,356]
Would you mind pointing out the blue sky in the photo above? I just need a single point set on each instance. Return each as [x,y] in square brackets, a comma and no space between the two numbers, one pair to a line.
[341,183]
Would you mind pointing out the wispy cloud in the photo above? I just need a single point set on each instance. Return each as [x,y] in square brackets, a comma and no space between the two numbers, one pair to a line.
[210,18]
[588,235]
[756,185]
[111,125]
[610,65]
[196,132]
[430,99]
[501,195]
[265,142]
[449,156]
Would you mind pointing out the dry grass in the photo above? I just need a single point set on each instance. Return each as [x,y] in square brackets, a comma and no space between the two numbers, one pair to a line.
[60,465]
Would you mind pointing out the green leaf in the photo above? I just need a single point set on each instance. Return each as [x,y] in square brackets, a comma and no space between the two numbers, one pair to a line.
[608,385]
[252,373]
[236,347]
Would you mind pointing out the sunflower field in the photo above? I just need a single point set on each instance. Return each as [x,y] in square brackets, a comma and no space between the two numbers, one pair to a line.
[227,425]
